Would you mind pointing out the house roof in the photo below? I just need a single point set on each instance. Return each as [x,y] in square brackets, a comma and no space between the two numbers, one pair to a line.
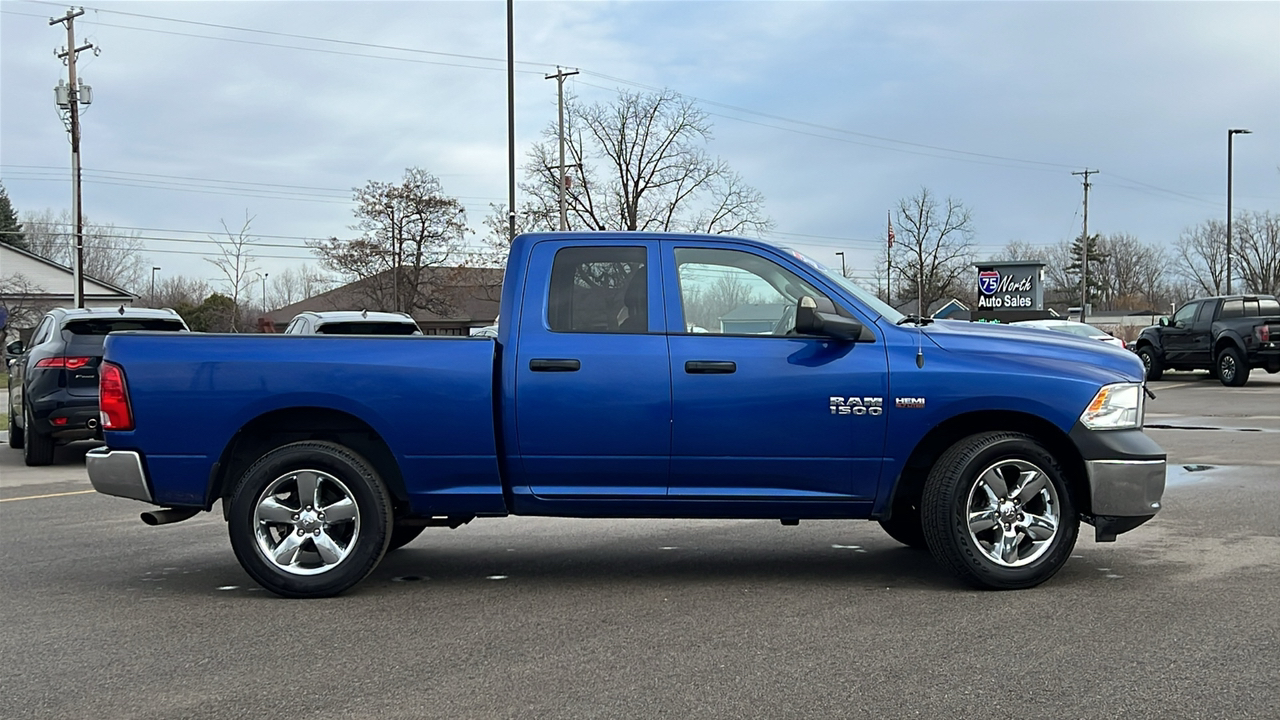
[105,289]
[476,292]
[910,307]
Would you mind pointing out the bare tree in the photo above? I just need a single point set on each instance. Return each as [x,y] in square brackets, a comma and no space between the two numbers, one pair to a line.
[410,244]
[111,255]
[1258,251]
[237,264]
[180,291]
[933,249]
[1202,256]
[640,164]
[22,301]
[296,284]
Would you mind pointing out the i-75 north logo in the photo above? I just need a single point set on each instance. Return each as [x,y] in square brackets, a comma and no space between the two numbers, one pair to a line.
[989,281]
[856,405]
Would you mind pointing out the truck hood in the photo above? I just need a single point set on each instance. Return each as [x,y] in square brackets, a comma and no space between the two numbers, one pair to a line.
[1067,354]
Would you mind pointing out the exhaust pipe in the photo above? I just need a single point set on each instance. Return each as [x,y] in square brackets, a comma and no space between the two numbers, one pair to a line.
[92,424]
[168,515]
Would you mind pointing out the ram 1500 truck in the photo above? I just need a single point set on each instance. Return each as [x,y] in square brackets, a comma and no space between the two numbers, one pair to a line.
[1226,335]
[638,375]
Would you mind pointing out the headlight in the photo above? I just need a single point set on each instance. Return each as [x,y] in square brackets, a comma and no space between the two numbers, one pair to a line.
[1115,407]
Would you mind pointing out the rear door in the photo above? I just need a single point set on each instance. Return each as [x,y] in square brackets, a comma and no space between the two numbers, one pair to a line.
[593,388]
[754,405]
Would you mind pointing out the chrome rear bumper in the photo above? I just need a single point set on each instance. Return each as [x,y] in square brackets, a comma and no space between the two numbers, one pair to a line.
[117,472]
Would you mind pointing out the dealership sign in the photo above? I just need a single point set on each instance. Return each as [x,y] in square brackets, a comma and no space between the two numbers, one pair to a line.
[1010,286]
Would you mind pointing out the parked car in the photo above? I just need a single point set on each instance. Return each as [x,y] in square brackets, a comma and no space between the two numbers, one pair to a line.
[53,383]
[1073,327]
[352,323]
[489,331]
[986,444]
[1226,335]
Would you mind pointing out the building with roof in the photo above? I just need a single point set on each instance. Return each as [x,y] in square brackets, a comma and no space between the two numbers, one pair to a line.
[30,285]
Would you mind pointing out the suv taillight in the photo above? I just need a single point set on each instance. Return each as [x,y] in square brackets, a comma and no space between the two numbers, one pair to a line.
[113,398]
[70,363]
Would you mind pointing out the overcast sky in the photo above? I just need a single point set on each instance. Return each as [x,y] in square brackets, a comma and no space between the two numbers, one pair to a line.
[204,111]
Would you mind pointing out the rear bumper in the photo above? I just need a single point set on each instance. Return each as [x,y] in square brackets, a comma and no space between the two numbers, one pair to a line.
[117,472]
[67,417]
[1126,474]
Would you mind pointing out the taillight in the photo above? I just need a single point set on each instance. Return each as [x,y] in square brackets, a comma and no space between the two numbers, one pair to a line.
[113,398]
[70,363]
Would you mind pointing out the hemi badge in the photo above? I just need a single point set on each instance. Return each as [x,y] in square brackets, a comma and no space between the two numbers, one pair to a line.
[909,402]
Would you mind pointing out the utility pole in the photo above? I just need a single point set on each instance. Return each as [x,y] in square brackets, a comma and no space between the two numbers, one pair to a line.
[1230,136]
[559,77]
[511,120]
[69,53]
[1084,247]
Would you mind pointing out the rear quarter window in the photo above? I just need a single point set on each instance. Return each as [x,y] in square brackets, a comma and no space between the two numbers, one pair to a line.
[1268,306]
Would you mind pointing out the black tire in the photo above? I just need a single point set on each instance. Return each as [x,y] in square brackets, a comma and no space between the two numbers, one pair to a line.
[15,432]
[904,526]
[402,535]
[335,475]
[1151,363]
[37,448]
[948,512]
[1232,369]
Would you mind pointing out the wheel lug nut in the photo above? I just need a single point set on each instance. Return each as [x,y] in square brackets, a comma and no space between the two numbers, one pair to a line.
[1021,517]
[321,516]
[295,516]
[317,532]
[300,531]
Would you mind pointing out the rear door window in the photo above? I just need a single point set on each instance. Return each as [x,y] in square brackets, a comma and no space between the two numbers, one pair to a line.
[599,290]
[1232,309]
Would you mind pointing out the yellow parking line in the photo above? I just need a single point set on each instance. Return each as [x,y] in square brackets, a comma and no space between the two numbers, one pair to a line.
[38,497]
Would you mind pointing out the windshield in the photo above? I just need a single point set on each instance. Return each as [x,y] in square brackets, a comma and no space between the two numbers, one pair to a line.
[864,295]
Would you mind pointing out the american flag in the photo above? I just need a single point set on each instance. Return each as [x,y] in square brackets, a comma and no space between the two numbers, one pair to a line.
[890,216]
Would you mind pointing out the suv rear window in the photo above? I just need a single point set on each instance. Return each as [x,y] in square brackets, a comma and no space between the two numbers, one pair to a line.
[102,326]
[367,328]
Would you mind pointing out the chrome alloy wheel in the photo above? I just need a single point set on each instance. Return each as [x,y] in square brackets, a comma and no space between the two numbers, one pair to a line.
[1013,513]
[1226,367]
[306,522]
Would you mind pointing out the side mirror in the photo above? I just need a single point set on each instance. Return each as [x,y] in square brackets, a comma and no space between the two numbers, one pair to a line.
[15,348]
[819,317]
[1163,322]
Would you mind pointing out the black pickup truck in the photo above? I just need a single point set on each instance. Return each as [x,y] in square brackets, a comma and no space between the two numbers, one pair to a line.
[1226,335]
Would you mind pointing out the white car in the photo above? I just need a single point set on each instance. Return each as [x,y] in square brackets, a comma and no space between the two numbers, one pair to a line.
[1073,327]
[352,323]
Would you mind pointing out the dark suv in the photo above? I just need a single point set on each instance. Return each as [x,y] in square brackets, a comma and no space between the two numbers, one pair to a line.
[53,383]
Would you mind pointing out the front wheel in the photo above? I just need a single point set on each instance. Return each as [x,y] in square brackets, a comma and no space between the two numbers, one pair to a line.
[998,513]
[1232,369]
[310,519]
[1150,363]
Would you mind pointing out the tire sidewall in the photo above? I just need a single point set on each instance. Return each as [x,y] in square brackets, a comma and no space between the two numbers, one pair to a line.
[1151,364]
[946,517]
[372,502]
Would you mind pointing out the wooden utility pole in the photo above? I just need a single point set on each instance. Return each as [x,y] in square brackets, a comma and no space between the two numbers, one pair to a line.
[1084,247]
[69,54]
[559,77]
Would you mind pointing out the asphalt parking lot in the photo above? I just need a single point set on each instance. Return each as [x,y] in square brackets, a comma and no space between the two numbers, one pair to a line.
[104,617]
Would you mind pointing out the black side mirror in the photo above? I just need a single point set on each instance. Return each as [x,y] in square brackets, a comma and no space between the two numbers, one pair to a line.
[819,317]
[15,348]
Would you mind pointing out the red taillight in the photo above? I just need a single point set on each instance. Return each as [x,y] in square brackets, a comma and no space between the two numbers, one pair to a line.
[113,398]
[70,363]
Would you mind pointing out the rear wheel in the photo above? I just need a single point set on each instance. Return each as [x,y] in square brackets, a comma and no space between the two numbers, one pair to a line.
[1150,363]
[37,448]
[1232,369]
[998,513]
[15,432]
[310,519]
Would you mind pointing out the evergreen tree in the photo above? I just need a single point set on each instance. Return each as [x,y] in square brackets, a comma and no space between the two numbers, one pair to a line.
[1097,260]
[10,228]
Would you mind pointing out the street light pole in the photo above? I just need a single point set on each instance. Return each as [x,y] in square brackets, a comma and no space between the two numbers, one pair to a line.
[264,293]
[842,269]
[1230,137]
[153,285]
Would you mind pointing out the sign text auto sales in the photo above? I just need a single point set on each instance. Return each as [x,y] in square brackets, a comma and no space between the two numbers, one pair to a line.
[1005,291]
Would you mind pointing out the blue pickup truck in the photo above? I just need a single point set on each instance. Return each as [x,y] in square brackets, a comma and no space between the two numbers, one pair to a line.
[637,375]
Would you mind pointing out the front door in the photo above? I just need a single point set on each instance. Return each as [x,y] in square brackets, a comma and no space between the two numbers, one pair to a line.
[593,388]
[1176,337]
[753,404]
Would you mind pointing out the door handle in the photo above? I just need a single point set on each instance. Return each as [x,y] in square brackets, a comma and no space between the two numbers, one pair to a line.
[710,367]
[556,365]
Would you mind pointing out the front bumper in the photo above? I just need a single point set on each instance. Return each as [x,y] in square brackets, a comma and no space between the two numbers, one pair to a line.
[1126,474]
[117,472]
